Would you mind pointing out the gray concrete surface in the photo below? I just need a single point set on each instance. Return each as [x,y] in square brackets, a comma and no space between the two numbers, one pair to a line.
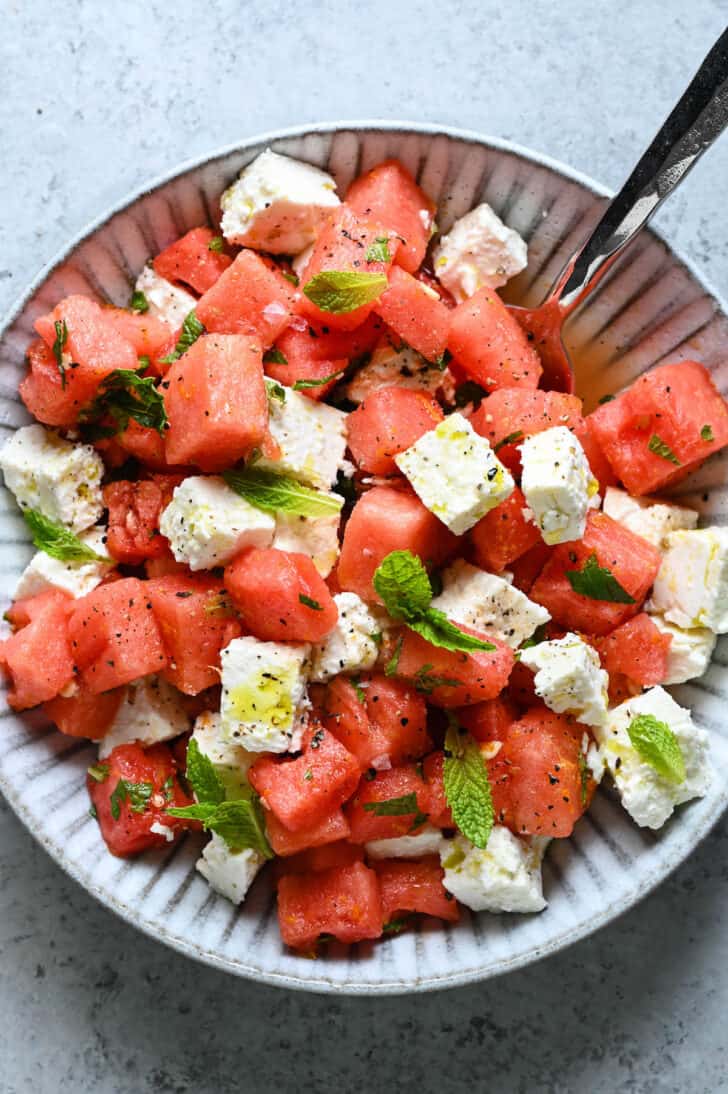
[94,98]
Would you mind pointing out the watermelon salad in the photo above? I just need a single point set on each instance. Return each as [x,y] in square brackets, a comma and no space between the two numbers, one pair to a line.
[334,582]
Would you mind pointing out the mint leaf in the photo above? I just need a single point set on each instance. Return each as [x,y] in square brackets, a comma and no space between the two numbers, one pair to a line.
[274,357]
[402,582]
[303,385]
[216,244]
[583,776]
[240,823]
[467,786]
[138,302]
[426,681]
[275,492]
[394,926]
[510,439]
[658,746]
[706,433]
[59,344]
[99,772]
[606,399]
[436,628]
[392,664]
[275,390]
[57,540]
[598,583]
[290,277]
[124,395]
[378,251]
[442,360]
[309,602]
[538,636]
[341,291]
[393,807]
[192,328]
[136,794]
[202,777]
[660,448]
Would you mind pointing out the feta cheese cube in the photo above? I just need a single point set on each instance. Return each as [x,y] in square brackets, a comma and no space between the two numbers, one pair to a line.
[690,651]
[456,473]
[648,797]
[557,483]
[277,204]
[351,645]
[488,603]
[427,841]
[219,749]
[317,537]
[647,517]
[166,301]
[691,589]
[478,250]
[263,693]
[207,523]
[505,877]
[229,873]
[569,678]
[48,473]
[151,711]
[77,578]
[311,437]
[162,830]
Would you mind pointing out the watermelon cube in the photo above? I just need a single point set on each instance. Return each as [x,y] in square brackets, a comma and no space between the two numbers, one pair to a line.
[662,427]
[114,635]
[416,314]
[415,887]
[513,413]
[84,714]
[368,822]
[376,718]
[389,195]
[37,659]
[191,260]
[250,298]
[450,678]
[343,902]
[636,649]
[490,345]
[503,535]
[316,352]
[330,829]
[387,422]
[216,402]
[134,511]
[630,560]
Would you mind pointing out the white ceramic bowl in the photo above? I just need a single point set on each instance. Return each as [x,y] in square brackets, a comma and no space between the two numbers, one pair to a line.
[652,308]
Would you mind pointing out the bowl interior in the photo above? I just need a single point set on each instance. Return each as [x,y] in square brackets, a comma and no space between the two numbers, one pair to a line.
[651,308]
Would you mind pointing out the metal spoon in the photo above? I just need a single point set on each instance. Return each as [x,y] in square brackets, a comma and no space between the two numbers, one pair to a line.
[697,120]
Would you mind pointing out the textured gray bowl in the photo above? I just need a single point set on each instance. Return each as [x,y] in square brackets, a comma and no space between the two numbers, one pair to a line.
[652,308]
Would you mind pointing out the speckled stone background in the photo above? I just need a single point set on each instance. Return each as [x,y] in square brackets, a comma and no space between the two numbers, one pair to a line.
[94,99]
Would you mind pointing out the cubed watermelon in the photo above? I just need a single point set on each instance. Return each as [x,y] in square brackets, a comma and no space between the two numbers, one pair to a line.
[316,859]
[134,511]
[450,678]
[437,808]
[370,812]
[216,402]
[503,534]
[415,887]
[389,195]
[377,718]
[389,421]
[416,314]
[636,649]
[84,714]
[146,333]
[344,902]
[489,344]
[311,355]
[114,635]
[37,659]
[42,389]
[332,828]
[196,622]
[281,595]
[631,560]
[511,414]
[192,261]
[662,427]
[251,298]
[488,721]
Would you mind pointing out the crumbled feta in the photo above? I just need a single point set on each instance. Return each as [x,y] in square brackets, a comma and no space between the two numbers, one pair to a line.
[166,301]
[77,578]
[317,537]
[478,250]
[691,589]
[263,693]
[427,841]
[569,678]
[400,366]
[488,603]
[60,479]
[229,873]
[648,797]
[690,651]
[151,711]
[162,830]
[505,877]
[456,473]
[277,204]
[207,523]
[646,517]
[311,437]
[351,645]
[557,483]
[224,753]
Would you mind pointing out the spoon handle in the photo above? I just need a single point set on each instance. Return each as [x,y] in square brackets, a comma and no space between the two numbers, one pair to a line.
[697,120]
